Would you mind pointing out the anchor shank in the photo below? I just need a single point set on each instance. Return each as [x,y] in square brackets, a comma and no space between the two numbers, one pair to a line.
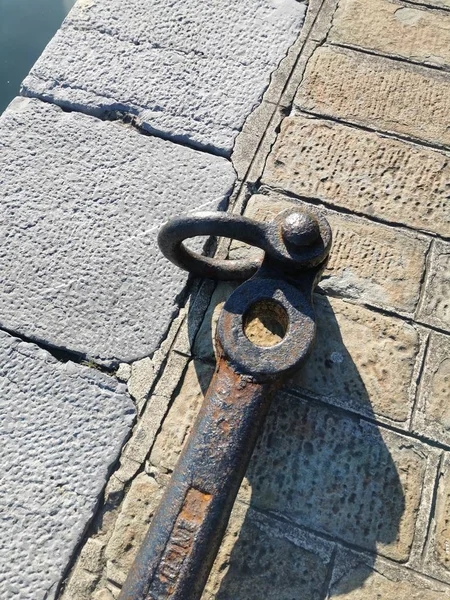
[185,534]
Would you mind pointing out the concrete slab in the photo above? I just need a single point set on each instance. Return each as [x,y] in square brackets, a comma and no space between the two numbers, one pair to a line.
[82,201]
[62,428]
[187,69]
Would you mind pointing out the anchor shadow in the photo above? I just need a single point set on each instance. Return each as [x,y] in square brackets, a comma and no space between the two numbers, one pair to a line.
[320,474]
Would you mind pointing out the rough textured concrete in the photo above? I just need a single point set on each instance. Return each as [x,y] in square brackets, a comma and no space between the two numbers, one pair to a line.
[435,305]
[82,202]
[354,578]
[432,416]
[185,69]
[369,263]
[377,92]
[363,172]
[392,28]
[62,428]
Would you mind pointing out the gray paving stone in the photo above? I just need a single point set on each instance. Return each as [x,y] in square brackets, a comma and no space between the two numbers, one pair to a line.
[188,69]
[62,428]
[82,201]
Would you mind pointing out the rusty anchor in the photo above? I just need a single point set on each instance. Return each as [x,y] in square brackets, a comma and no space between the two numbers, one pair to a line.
[186,531]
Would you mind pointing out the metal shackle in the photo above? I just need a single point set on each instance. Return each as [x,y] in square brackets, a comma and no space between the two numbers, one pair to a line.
[299,239]
[296,240]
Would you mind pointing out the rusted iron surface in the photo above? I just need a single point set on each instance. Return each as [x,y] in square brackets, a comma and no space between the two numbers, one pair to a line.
[186,531]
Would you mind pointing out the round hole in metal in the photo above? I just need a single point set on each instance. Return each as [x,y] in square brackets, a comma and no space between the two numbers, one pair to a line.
[266,323]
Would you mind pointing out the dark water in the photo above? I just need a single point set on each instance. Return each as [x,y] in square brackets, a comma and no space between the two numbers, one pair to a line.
[26,26]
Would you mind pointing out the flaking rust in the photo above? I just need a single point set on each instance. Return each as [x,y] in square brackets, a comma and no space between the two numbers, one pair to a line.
[180,544]
[186,531]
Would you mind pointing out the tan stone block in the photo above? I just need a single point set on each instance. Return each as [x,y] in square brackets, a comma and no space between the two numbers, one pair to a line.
[366,173]
[438,555]
[359,578]
[103,594]
[115,576]
[436,3]
[334,475]
[127,469]
[435,306]
[361,360]
[369,262]
[260,558]
[204,342]
[81,587]
[442,538]
[146,429]
[149,423]
[391,28]
[432,416]
[374,264]
[178,422]
[91,556]
[87,571]
[377,92]
[141,380]
[324,470]
[131,526]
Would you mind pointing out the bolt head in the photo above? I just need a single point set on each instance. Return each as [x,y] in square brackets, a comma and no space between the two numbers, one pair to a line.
[300,229]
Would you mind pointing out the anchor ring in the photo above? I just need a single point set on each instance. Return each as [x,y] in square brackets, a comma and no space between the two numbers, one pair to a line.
[297,238]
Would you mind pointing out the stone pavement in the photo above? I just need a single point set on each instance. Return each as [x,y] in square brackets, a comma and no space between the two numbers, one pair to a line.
[348,493]
[62,426]
[189,71]
[126,120]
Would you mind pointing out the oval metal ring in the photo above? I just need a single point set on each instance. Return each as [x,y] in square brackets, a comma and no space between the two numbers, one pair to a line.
[173,233]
